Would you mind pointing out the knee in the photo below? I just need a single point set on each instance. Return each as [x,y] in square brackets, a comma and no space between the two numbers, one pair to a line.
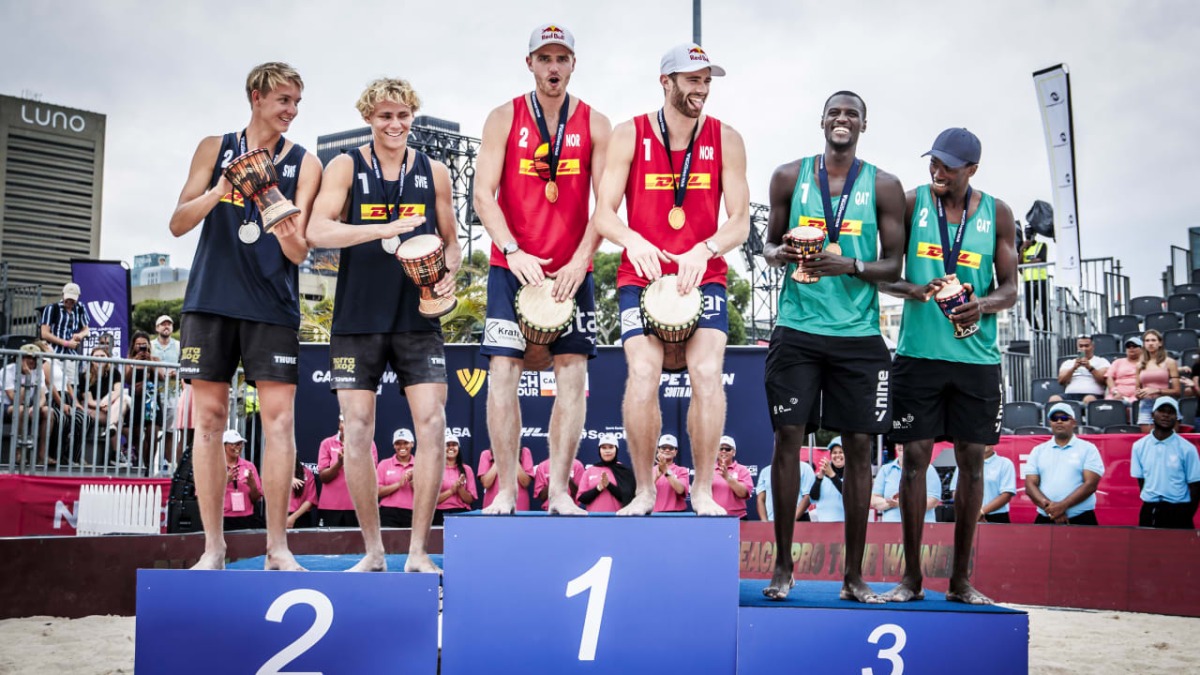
[429,421]
[705,377]
[1054,398]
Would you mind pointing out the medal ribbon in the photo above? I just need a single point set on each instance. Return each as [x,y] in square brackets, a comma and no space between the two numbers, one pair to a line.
[250,208]
[685,170]
[950,257]
[833,226]
[383,187]
[555,143]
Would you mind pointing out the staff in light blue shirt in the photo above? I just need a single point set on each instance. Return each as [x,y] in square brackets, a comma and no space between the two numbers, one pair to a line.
[1167,470]
[1062,473]
[999,486]
[885,492]
[764,501]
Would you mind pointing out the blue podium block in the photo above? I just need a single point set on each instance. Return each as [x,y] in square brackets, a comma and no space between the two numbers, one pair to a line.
[597,594]
[303,623]
[814,630]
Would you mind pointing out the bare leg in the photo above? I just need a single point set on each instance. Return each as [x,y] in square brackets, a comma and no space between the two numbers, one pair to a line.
[706,414]
[358,410]
[427,402]
[785,490]
[968,499]
[211,401]
[856,500]
[504,428]
[566,424]
[912,513]
[643,418]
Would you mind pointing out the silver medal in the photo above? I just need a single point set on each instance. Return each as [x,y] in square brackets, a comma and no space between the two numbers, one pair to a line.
[249,232]
[391,244]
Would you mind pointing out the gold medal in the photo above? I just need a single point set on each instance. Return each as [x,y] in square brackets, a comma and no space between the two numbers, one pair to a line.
[676,218]
[552,192]
[833,248]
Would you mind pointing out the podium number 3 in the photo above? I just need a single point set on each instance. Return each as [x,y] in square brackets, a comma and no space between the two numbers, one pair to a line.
[595,579]
[320,625]
[891,653]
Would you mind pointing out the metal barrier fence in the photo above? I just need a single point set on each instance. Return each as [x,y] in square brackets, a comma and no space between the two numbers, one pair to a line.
[18,306]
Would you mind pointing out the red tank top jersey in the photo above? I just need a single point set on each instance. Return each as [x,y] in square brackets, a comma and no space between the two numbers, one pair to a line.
[544,229]
[649,197]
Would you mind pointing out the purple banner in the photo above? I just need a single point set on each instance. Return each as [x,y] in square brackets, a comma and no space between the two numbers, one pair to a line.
[104,292]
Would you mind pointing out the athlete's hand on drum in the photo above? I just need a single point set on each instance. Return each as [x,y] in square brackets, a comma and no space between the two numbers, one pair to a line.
[924,293]
[646,258]
[527,268]
[826,264]
[692,266]
[568,278]
[968,312]
[399,227]
[449,281]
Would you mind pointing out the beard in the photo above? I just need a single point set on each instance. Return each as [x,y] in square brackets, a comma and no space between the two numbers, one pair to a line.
[680,104]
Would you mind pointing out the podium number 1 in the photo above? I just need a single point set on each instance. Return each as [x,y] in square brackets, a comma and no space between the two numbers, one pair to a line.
[596,580]
[320,625]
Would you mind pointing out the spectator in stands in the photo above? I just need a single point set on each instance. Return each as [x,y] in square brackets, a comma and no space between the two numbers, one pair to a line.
[336,507]
[487,477]
[105,398]
[731,483]
[143,382]
[458,489]
[608,484]
[541,480]
[25,397]
[1062,473]
[1167,470]
[827,488]
[1084,377]
[885,491]
[242,486]
[66,415]
[395,480]
[670,480]
[304,497]
[1122,374]
[764,497]
[166,349]
[999,486]
[1158,375]
[1035,276]
[64,324]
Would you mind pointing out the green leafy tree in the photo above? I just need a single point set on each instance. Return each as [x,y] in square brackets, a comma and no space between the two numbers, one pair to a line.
[146,311]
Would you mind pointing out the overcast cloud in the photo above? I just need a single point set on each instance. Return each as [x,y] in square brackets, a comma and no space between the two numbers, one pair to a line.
[167,74]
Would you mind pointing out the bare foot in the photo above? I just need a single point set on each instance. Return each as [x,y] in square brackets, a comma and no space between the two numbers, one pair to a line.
[859,591]
[211,560]
[563,505]
[905,591]
[780,585]
[421,563]
[504,505]
[371,562]
[704,505]
[283,560]
[642,505]
[966,593]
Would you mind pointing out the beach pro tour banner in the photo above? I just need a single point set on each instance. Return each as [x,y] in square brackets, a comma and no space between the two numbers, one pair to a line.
[1054,100]
[104,291]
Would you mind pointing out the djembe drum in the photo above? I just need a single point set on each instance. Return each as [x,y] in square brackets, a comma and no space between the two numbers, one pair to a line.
[810,240]
[542,319]
[424,261]
[671,317]
[253,175]
[952,295]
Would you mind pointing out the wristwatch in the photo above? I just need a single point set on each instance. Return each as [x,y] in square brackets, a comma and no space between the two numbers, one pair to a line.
[510,248]
[858,267]
[712,247]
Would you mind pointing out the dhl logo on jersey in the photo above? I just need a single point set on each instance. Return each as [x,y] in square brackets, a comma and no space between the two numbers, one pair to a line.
[852,228]
[380,211]
[234,197]
[566,167]
[934,252]
[665,181]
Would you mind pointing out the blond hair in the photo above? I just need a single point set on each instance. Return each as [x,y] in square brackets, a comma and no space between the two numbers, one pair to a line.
[387,89]
[267,77]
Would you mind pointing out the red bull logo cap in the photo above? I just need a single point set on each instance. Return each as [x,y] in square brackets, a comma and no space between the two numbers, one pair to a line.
[688,58]
[551,34]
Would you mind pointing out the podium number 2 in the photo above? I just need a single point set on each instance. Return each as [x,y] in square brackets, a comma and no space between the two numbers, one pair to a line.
[596,580]
[320,625]
[891,653]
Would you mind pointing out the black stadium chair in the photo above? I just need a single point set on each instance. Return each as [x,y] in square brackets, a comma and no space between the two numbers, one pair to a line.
[1122,323]
[1086,430]
[1180,340]
[1021,414]
[1187,410]
[1146,304]
[1186,288]
[1188,358]
[1044,388]
[1183,302]
[1163,321]
[1106,413]
[1192,319]
[1106,343]
[1112,356]
[1123,429]
[1031,431]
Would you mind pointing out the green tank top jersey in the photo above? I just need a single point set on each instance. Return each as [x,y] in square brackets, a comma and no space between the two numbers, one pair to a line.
[842,305]
[925,332]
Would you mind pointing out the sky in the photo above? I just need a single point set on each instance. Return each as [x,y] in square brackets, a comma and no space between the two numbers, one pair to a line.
[166,74]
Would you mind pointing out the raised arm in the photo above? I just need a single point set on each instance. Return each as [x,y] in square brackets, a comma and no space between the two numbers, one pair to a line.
[197,199]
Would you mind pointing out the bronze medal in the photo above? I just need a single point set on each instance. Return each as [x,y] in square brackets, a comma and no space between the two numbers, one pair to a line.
[552,192]
[676,218]
[834,248]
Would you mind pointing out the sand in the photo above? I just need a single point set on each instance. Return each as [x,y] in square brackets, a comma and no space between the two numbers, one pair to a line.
[1062,641]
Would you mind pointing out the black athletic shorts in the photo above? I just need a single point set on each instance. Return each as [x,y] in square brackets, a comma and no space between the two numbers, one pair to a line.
[835,383]
[945,400]
[358,361]
[394,516]
[212,346]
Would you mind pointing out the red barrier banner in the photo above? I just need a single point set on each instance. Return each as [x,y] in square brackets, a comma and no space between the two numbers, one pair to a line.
[44,505]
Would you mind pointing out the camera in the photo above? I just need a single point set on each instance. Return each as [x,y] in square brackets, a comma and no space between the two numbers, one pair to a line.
[142,349]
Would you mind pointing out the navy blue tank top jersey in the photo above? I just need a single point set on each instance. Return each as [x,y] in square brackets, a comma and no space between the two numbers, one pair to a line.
[255,282]
[374,295]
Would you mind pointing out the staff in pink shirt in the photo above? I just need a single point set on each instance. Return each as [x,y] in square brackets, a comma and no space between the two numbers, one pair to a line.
[487,476]
[304,497]
[670,480]
[731,484]
[541,480]
[336,508]
[607,485]
[458,483]
[395,478]
[242,488]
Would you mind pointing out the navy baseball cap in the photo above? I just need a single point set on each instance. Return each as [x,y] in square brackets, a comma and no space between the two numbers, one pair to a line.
[956,148]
